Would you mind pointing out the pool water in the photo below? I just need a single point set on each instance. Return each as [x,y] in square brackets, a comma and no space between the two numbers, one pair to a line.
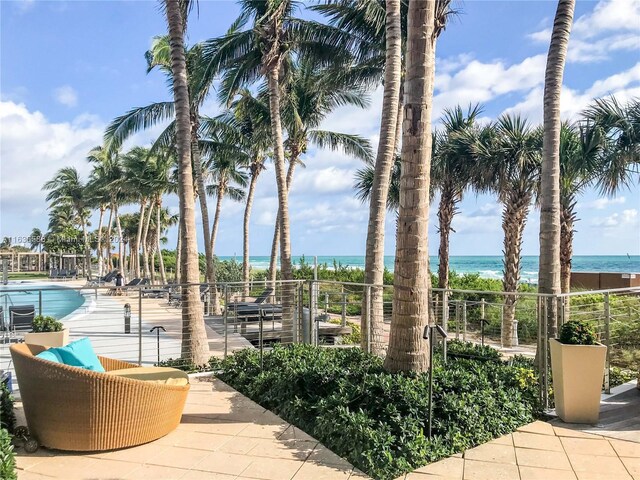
[57,301]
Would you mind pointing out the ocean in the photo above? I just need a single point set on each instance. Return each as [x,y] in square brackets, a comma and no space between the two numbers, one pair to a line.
[486,266]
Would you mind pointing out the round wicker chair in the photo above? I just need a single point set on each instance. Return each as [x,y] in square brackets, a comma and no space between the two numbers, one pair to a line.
[69,408]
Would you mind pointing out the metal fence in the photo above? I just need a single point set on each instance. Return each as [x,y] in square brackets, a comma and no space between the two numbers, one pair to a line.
[143,324]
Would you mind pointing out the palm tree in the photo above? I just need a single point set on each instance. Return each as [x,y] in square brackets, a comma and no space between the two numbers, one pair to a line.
[452,172]
[108,176]
[508,154]
[35,239]
[261,42]
[364,184]
[581,153]
[194,338]
[144,117]
[411,276]
[67,189]
[550,207]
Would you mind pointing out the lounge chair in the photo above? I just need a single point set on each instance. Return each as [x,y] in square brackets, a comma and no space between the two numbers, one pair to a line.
[268,292]
[108,278]
[20,318]
[70,408]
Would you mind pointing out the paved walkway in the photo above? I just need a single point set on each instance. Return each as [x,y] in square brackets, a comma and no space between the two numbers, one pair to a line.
[223,436]
[541,451]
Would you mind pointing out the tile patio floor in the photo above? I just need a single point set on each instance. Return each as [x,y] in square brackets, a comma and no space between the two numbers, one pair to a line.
[222,436]
[225,436]
[540,451]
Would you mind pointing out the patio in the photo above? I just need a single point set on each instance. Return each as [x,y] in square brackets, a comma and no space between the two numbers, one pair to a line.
[223,435]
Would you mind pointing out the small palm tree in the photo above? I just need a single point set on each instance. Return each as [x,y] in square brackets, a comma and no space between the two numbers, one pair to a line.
[66,189]
[508,155]
[452,171]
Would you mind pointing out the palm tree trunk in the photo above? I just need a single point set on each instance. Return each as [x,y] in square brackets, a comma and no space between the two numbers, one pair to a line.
[163,273]
[145,241]
[273,262]
[214,302]
[411,274]
[87,249]
[108,242]
[374,252]
[273,82]
[514,218]
[179,254]
[194,338]
[202,194]
[120,243]
[549,270]
[245,232]
[568,218]
[99,244]
[143,205]
[446,212]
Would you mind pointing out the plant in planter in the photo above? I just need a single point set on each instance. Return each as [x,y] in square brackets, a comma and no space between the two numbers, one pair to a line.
[48,332]
[577,364]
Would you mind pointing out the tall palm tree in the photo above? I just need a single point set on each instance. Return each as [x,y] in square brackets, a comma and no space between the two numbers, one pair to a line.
[310,94]
[550,207]
[159,56]
[364,184]
[67,189]
[35,239]
[452,171]
[108,176]
[260,43]
[194,338]
[411,276]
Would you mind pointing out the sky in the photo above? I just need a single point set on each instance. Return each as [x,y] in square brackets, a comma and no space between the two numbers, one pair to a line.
[67,68]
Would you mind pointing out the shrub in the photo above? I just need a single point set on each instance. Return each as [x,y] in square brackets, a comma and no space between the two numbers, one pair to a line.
[182,364]
[46,324]
[377,420]
[577,332]
[354,337]
[7,457]
[7,416]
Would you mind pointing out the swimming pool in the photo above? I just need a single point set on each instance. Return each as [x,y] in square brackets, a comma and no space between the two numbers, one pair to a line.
[56,301]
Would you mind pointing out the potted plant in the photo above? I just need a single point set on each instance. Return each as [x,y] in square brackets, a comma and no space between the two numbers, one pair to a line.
[577,365]
[48,332]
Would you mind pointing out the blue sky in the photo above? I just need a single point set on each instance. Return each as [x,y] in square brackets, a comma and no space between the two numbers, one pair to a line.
[68,68]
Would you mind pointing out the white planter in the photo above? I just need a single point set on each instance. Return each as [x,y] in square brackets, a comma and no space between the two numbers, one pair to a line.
[578,371]
[48,339]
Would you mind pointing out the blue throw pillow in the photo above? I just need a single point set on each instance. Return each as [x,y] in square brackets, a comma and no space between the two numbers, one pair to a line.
[51,354]
[80,354]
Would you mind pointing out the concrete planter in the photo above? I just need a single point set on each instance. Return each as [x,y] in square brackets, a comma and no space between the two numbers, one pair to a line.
[48,339]
[578,371]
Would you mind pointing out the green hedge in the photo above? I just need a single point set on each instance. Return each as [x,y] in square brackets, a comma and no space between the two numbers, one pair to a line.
[7,416]
[7,424]
[377,420]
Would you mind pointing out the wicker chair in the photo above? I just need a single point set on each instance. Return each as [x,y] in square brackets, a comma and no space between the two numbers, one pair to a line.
[69,408]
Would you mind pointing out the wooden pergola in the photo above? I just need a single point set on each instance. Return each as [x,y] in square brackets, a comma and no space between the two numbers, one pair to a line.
[25,261]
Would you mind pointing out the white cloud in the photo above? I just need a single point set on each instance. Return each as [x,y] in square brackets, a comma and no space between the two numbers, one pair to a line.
[32,149]
[66,96]
[611,26]
[627,219]
[624,85]
[602,203]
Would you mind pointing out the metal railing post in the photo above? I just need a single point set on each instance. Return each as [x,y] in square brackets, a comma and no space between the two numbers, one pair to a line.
[445,320]
[607,342]
[226,321]
[39,302]
[545,349]
[139,326]
[343,311]
[261,339]
[464,321]
[457,320]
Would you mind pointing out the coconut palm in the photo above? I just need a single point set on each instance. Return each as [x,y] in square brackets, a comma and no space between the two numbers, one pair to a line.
[159,57]
[35,239]
[194,338]
[310,94]
[261,42]
[364,184]
[67,189]
[411,274]
[108,176]
[550,207]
